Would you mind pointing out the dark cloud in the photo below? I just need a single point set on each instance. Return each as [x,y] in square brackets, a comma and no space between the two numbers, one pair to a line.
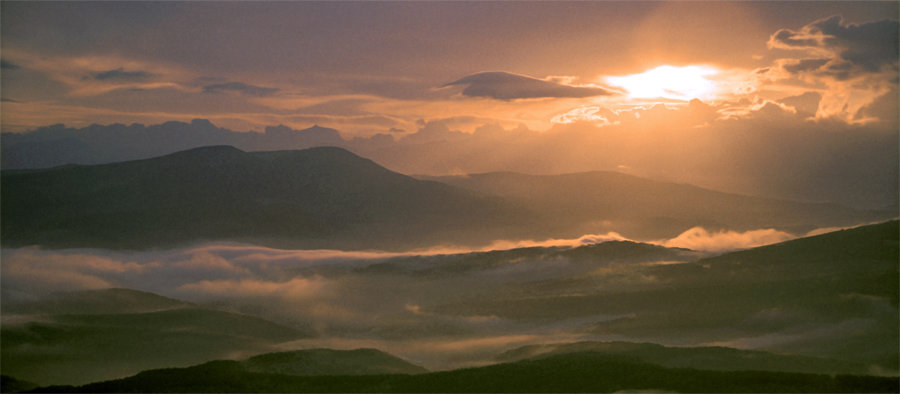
[8,100]
[502,85]
[5,65]
[867,47]
[120,73]
[240,87]
[802,65]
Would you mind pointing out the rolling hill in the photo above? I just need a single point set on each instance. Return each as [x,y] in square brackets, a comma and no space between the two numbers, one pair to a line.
[88,336]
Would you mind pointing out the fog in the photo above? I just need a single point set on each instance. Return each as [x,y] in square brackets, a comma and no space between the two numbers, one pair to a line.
[449,307]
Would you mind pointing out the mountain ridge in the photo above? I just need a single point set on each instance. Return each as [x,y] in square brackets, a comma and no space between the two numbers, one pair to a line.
[328,197]
[320,196]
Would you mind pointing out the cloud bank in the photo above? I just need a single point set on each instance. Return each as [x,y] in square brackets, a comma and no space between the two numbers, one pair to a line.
[503,85]
[699,238]
[846,49]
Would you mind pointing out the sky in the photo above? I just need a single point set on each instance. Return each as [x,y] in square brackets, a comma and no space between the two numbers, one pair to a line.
[367,68]
[750,97]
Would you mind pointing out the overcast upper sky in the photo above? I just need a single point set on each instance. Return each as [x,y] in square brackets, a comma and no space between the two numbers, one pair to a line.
[367,68]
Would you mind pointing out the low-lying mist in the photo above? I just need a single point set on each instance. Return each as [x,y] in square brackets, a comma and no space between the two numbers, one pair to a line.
[450,307]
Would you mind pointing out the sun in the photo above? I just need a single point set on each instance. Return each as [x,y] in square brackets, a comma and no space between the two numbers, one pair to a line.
[670,82]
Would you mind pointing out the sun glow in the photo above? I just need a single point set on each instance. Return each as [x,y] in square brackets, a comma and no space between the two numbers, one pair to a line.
[680,83]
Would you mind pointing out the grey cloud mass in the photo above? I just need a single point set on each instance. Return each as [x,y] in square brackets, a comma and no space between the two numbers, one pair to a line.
[240,87]
[503,85]
[866,47]
[120,73]
[5,65]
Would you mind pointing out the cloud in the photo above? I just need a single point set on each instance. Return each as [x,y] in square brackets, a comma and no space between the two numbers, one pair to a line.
[240,87]
[802,65]
[7,65]
[32,272]
[503,85]
[700,239]
[845,49]
[294,289]
[121,74]
[582,114]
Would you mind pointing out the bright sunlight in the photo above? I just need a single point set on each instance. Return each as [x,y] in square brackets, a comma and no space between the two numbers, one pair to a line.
[680,83]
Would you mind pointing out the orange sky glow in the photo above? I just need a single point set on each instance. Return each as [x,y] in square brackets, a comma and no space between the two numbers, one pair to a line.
[672,74]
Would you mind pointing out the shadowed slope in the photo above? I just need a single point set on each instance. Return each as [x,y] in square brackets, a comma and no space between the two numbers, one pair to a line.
[323,197]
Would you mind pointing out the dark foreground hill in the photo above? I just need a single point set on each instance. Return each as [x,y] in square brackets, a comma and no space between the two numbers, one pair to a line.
[320,197]
[577,372]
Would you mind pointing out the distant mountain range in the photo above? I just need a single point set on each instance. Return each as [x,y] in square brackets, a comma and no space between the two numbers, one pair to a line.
[97,144]
[329,197]
[826,167]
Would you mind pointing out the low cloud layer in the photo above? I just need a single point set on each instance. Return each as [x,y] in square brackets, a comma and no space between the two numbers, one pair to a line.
[244,271]
[701,239]
[441,308]
[503,85]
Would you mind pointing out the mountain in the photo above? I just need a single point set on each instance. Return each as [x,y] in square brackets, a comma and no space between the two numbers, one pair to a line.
[319,197]
[576,372]
[645,209]
[706,358]
[58,145]
[112,333]
[327,197]
[331,362]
